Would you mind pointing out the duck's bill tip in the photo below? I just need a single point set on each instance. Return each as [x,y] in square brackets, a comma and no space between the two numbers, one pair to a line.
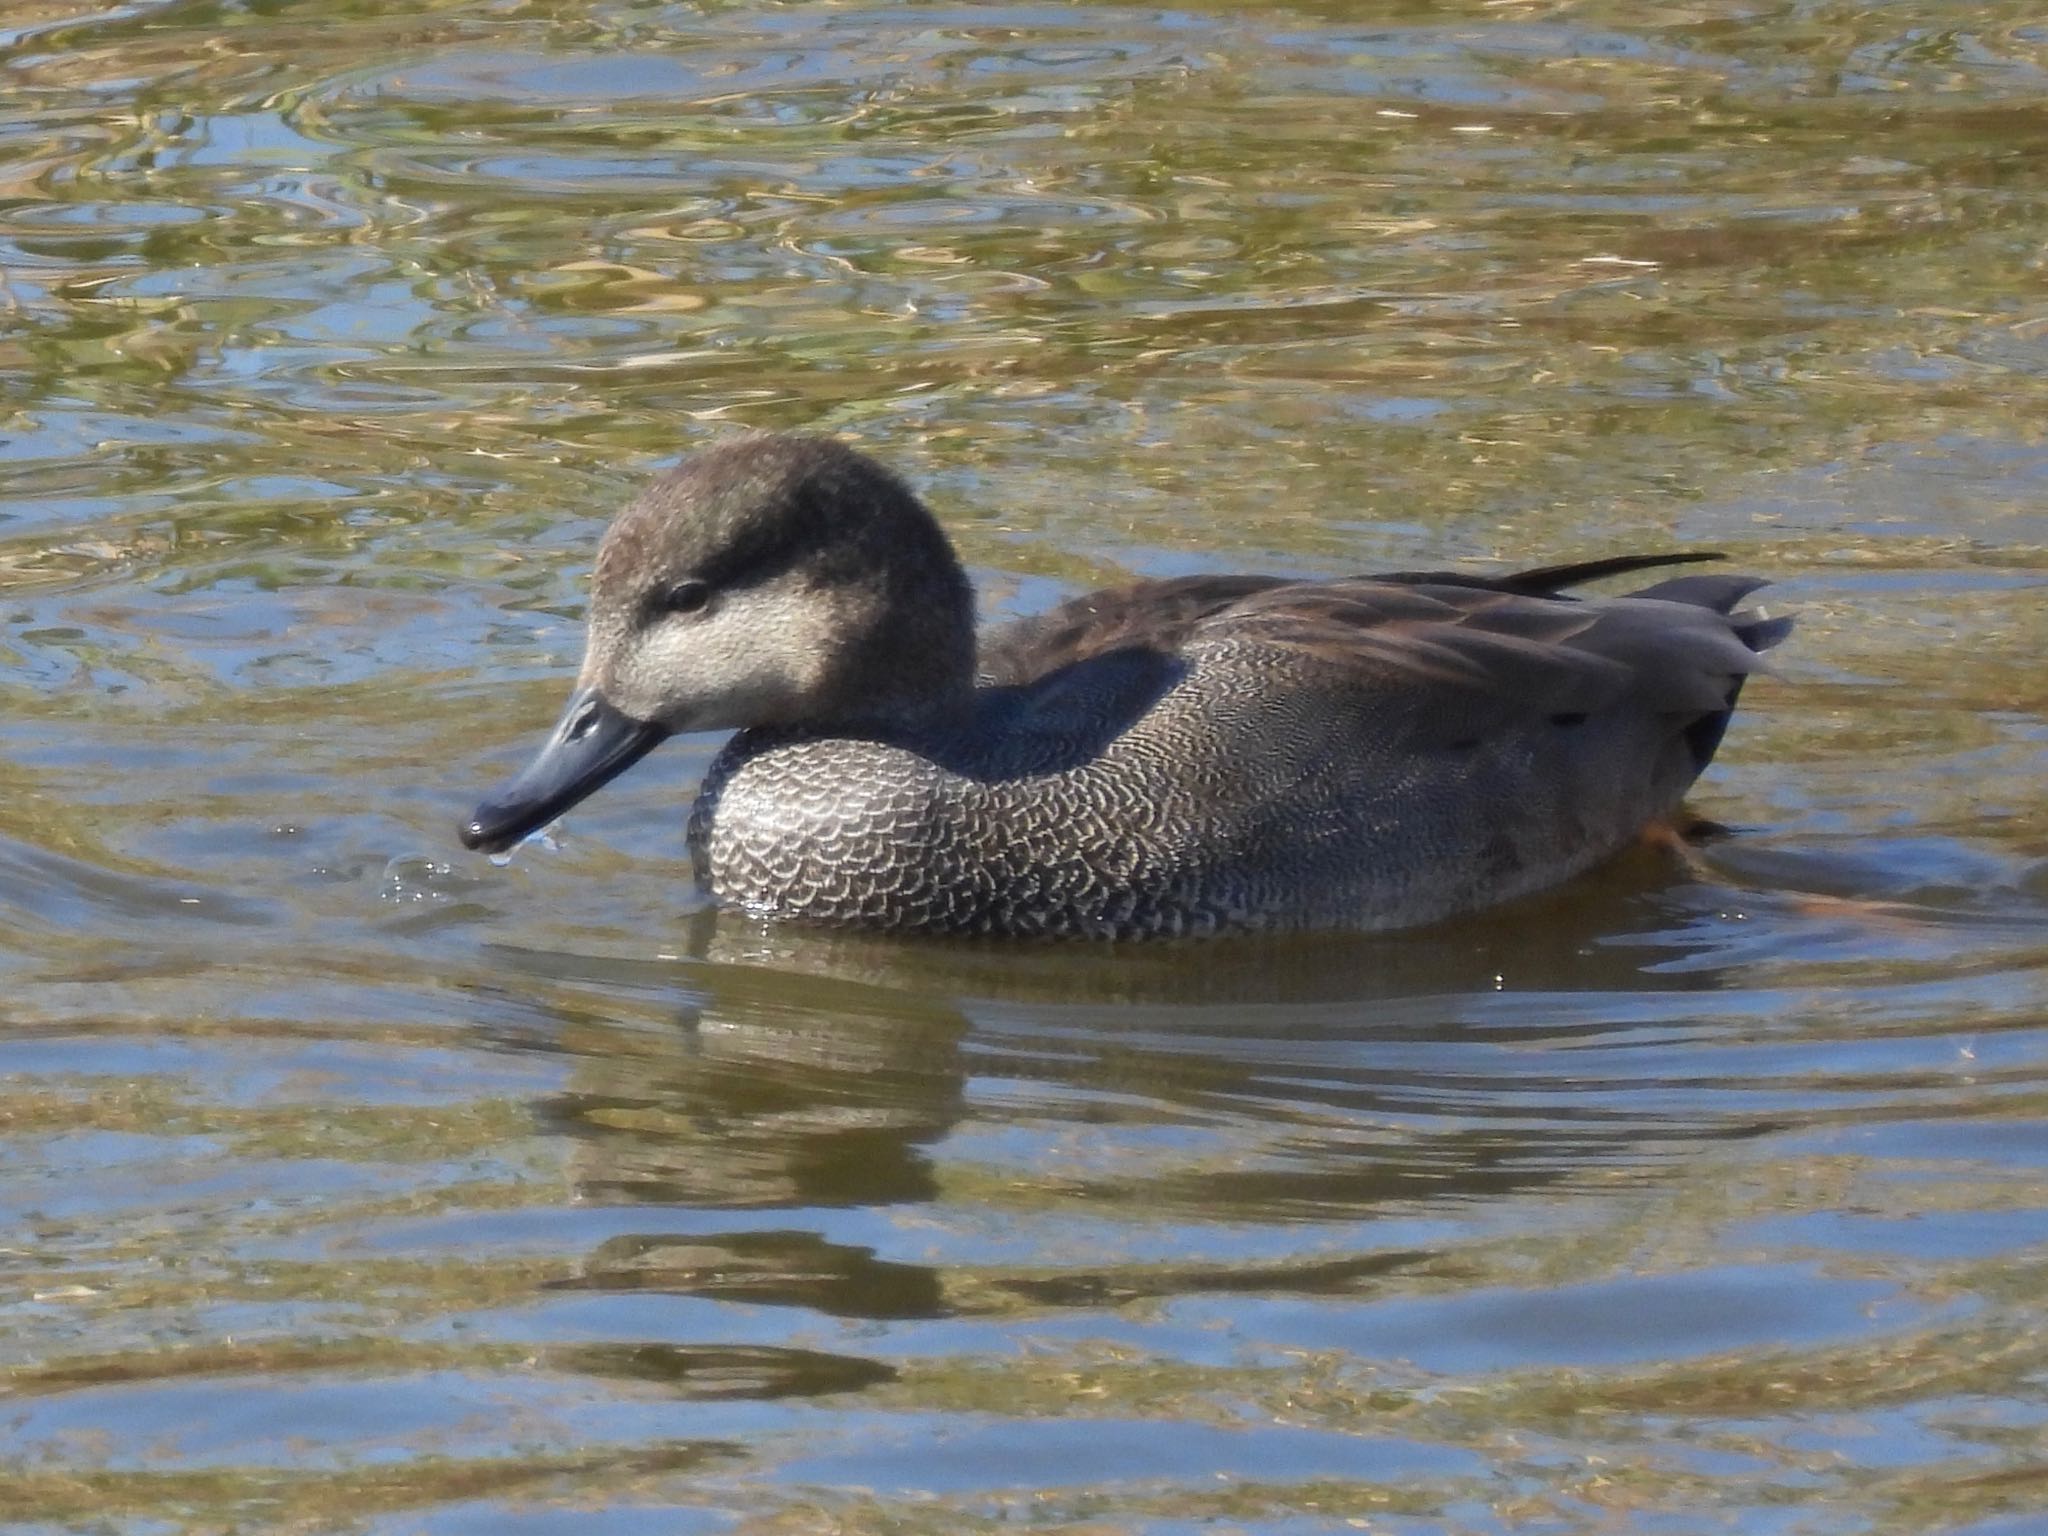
[503,822]
[487,836]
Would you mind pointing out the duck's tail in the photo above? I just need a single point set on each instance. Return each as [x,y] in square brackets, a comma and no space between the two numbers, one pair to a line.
[1721,592]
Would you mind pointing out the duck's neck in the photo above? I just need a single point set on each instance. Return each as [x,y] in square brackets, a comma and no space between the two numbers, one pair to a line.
[930,697]
[913,671]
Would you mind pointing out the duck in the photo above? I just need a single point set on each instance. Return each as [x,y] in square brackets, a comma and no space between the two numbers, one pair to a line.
[1189,756]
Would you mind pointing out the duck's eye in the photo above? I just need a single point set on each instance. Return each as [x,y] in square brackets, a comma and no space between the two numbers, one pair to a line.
[684,597]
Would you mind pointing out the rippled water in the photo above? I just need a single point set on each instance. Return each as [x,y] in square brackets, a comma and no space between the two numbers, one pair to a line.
[351,1183]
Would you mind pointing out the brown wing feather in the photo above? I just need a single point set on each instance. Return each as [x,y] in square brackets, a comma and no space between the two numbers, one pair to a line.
[1453,663]
[1147,615]
[1455,656]
[1161,615]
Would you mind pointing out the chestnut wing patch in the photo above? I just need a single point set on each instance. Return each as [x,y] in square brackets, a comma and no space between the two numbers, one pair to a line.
[1147,615]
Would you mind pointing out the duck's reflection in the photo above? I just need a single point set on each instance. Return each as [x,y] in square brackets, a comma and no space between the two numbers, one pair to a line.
[764,1088]
[1203,1086]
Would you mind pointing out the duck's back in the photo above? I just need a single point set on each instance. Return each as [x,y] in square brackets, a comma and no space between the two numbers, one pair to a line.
[1247,752]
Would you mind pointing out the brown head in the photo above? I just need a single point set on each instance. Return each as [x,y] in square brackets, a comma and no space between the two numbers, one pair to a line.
[769,580]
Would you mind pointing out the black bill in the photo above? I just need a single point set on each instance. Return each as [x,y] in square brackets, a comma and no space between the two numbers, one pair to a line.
[591,746]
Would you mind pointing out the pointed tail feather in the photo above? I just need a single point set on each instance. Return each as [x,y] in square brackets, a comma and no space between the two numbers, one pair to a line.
[1760,633]
[1547,579]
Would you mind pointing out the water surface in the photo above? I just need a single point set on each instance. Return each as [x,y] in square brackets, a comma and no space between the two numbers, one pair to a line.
[352,1183]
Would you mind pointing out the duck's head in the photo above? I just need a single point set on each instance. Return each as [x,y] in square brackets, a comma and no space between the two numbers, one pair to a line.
[773,580]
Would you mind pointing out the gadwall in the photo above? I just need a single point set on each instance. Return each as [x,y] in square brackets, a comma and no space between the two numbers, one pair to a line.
[1191,756]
